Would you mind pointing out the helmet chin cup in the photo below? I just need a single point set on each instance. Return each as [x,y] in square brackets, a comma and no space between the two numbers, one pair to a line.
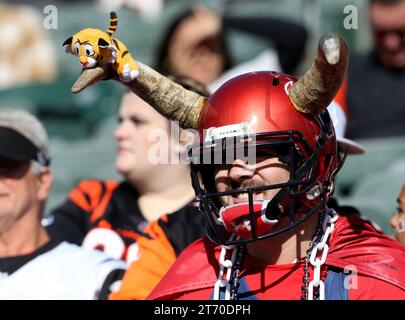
[236,219]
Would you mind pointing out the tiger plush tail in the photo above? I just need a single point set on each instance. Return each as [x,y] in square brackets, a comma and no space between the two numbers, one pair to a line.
[113,23]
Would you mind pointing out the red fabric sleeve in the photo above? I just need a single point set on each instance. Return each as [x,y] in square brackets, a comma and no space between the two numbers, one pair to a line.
[368,288]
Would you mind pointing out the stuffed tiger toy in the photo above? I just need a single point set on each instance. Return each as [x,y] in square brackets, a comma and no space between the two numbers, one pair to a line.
[96,47]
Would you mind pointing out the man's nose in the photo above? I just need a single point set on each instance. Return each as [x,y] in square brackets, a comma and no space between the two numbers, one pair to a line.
[241,170]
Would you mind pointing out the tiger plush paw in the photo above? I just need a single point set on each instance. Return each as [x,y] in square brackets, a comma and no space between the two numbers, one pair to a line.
[127,73]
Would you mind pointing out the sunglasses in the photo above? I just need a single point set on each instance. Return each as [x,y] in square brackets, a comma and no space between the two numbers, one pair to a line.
[10,168]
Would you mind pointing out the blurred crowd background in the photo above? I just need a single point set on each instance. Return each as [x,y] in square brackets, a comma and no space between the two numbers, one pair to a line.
[36,74]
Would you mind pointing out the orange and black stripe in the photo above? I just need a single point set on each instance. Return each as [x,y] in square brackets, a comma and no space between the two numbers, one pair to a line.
[113,23]
[93,196]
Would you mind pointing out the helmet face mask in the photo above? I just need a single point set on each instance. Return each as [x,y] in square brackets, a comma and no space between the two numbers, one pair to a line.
[296,200]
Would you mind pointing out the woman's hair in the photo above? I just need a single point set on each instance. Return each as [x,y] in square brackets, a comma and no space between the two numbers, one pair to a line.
[161,63]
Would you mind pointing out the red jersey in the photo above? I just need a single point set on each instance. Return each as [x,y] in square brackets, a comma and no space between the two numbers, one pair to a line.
[378,260]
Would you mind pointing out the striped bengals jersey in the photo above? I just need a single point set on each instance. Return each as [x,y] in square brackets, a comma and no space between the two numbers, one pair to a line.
[105,215]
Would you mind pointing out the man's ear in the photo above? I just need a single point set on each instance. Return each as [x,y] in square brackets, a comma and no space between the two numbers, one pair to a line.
[45,184]
[68,45]
[103,44]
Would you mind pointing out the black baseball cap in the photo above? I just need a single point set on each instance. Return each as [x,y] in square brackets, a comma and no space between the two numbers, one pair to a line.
[15,146]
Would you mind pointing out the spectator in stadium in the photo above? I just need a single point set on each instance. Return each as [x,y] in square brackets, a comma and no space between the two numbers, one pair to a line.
[277,237]
[150,216]
[398,220]
[272,234]
[195,46]
[33,266]
[377,102]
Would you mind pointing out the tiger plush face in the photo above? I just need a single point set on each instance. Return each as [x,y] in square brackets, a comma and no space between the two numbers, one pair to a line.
[92,46]
[96,47]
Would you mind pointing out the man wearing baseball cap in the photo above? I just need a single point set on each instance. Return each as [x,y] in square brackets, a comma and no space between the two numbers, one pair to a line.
[33,266]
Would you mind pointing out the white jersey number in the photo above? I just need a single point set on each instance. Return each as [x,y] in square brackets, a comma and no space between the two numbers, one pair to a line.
[111,243]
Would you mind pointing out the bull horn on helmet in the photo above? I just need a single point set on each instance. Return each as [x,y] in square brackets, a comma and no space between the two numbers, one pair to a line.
[168,98]
[90,76]
[313,92]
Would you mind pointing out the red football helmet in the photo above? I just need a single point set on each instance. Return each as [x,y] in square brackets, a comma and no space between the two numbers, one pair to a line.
[255,112]
[252,112]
